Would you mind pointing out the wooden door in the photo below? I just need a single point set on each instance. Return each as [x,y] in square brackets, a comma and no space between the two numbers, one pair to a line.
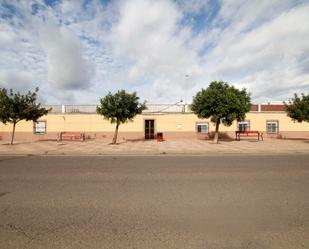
[149,129]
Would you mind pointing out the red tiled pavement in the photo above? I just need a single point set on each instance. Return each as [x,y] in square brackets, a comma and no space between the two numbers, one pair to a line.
[98,147]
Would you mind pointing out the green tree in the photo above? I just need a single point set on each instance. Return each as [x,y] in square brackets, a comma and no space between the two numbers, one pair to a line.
[15,107]
[120,108]
[298,108]
[222,104]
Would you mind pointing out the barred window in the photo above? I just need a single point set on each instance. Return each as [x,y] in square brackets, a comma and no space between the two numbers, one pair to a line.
[39,127]
[244,126]
[202,128]
[272,127]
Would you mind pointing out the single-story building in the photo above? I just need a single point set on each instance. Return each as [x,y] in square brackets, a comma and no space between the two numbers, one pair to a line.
[175,121]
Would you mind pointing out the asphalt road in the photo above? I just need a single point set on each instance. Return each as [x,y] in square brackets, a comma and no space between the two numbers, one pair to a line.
[227,202]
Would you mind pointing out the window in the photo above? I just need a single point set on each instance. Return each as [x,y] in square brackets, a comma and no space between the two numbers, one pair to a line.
[272,127]
[244,126]
[39,127]
[202,128]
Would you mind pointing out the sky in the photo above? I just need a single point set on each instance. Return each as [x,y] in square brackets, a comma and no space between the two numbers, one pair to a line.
[165,50]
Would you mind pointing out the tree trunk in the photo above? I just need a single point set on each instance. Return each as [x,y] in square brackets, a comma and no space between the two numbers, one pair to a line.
[13,133]
[216,138]
[116,134]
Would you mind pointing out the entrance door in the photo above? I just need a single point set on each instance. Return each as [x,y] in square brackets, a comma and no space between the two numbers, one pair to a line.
[149,129]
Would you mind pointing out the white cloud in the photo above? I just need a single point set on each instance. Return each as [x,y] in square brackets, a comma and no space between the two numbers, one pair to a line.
[7,35]
[70,7]
[18,80]
[149,37]
[266,59]
[150,46]
[192,6]
[67,67]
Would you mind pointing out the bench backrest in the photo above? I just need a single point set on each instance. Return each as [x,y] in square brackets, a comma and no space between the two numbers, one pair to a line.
[71,133]
[246,132]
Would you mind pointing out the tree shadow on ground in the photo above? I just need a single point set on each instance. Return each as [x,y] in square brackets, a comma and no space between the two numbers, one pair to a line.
[135,140]
[223,137]
[304,140]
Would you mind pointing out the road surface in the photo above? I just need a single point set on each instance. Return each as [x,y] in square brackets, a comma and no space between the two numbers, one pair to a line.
[220,202]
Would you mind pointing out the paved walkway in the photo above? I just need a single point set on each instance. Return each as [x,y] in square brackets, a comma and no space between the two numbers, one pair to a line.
[99,147]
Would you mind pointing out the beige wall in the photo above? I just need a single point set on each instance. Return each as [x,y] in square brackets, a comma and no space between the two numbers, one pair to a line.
[174,125]
[258,121]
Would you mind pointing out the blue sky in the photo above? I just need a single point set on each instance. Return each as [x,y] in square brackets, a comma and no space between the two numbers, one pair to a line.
[165,50]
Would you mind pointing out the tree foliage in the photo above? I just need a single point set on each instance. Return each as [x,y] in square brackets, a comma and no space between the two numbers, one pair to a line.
[222,104]
[298,108]
[15,107]
[120,107]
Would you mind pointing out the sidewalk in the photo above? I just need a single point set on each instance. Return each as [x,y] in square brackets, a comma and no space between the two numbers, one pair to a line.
[152,147]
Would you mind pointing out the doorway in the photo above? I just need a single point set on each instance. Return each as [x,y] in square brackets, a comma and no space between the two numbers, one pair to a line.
[149,129]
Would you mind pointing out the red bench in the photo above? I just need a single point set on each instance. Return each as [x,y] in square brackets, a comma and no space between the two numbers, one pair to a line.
[248,133]
[70,135]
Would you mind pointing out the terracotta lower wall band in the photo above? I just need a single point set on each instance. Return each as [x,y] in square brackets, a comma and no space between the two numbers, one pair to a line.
[29,136]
